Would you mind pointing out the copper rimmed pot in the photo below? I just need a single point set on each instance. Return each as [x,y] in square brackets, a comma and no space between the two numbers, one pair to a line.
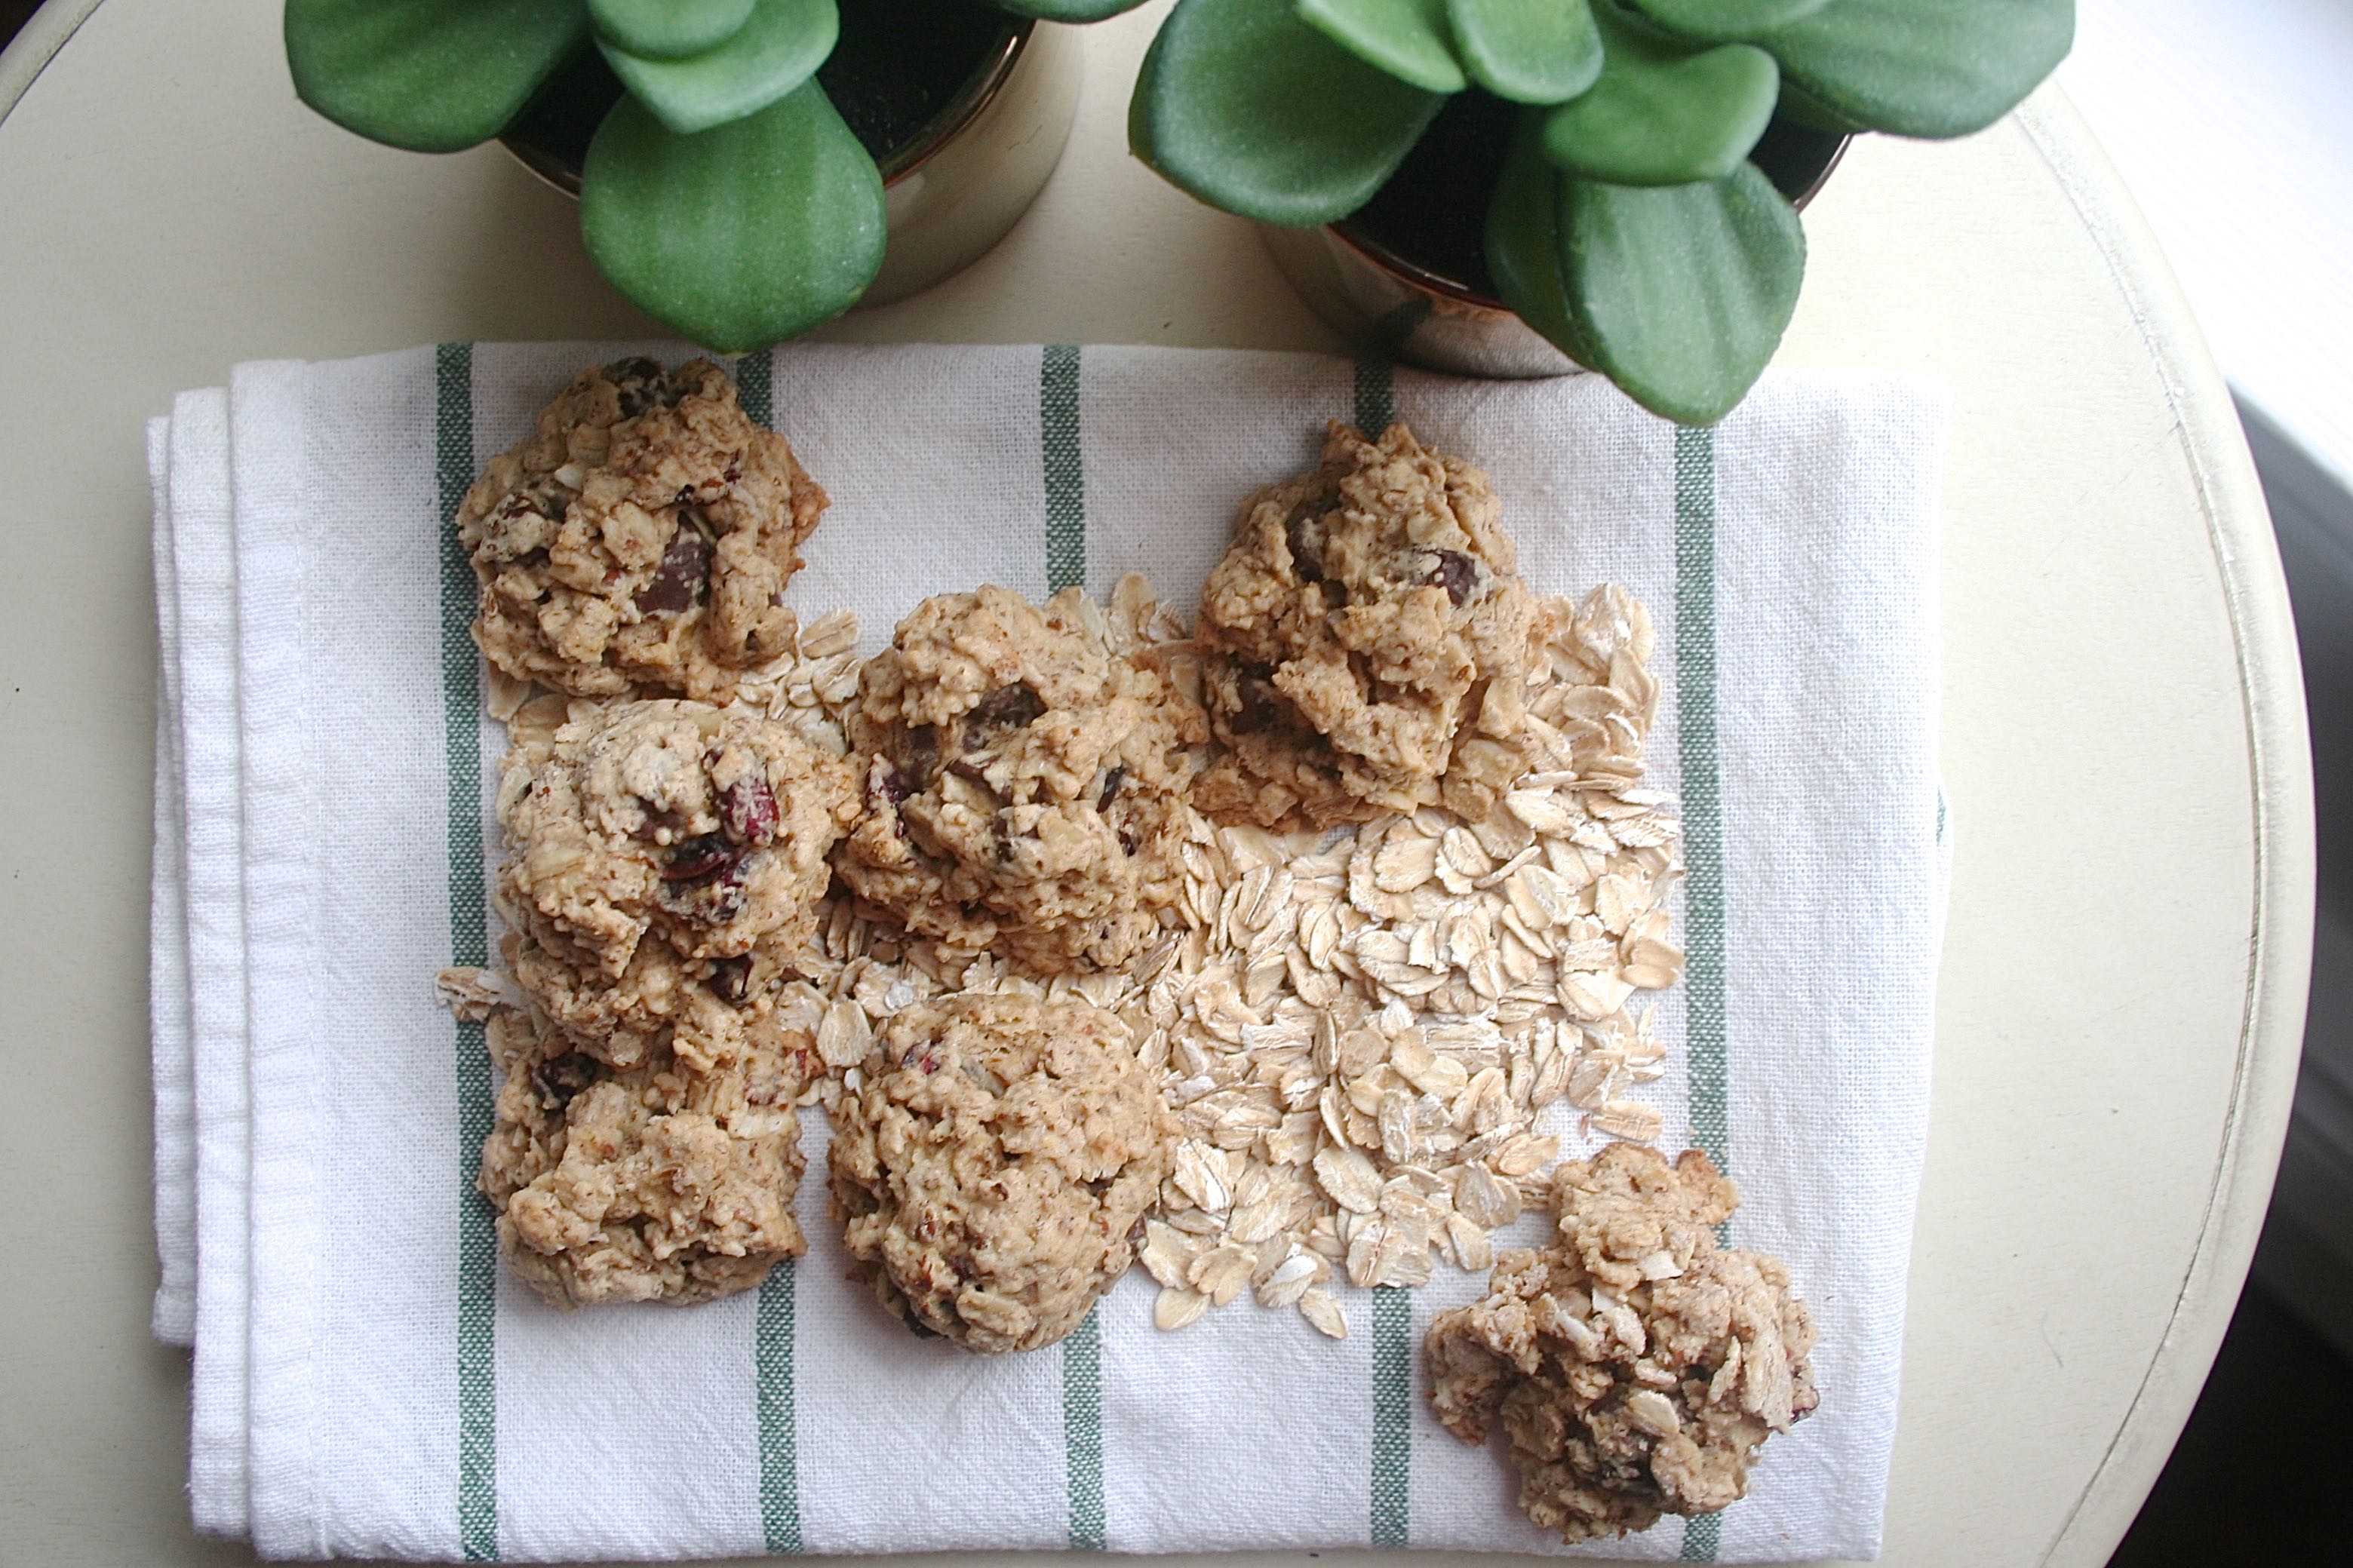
[955,177]
[1424,299]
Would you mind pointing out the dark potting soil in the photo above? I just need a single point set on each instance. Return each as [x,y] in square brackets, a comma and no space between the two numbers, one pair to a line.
[901,62]
[560,121]
[898,63]
[1433,211]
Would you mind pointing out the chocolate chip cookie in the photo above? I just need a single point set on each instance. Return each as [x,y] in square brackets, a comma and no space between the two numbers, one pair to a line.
[1368,642]
[641,540]
[652,1183]
[1637,1369]
[1022,782]
[665,863]
[993,1170]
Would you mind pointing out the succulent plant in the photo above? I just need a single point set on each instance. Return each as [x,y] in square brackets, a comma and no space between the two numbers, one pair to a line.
[1628,225]
[723,193]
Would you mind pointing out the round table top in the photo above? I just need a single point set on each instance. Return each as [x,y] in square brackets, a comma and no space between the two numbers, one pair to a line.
[2124,732]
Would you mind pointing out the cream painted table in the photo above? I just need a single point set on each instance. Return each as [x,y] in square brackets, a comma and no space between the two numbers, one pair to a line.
[2124,735]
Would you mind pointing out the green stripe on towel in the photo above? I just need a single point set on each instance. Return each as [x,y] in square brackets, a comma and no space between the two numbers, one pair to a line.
[780,1481]
[1066,567]
[1391,1521]
[1695,711]
[1083,1431]
[1702,1536]
[1375,397]
[461,709]
[755,380]
[1066,488]
[1392,1512]
[771,1334]
[1695,715]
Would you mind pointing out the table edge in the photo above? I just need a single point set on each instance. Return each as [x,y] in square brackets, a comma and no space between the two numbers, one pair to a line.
[36,44]
[2279,760]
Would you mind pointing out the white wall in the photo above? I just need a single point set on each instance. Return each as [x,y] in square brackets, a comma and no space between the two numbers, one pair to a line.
[2233,123]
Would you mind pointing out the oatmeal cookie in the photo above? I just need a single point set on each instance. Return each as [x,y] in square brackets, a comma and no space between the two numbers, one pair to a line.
[993,1172]
[1369,642]
[1637,1370]
[665,862]
[653,1183]
[1023,783]
[700,1010]
[641,539]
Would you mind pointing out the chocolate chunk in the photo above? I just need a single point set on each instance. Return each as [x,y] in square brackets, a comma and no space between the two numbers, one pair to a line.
[1456,573]
[641,384]
[558,1078]
[917,762]
[714,896]
[683,576]
[1012,706]
[700,857]
[1111,781]
[731,979]
[1298,532]
[748,808]
[1262,706]
[726,899]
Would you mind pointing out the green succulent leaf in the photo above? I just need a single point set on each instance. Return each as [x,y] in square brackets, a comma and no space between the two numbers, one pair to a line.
[740,235]
[1924,67]
[1722,20]
[1523,242]
[1530,51]
[1406,38]
[1067,10]
[1803,107]
[1244,106]
[431,76]
[1664,112]
[668,29]
[1681,292]
[778,48]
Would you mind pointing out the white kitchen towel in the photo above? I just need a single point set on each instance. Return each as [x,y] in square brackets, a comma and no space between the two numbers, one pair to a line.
[214,1240]
[369,1382]
[175,1314]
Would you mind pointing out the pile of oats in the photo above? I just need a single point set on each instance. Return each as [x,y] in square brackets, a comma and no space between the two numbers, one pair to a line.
[1358,1028]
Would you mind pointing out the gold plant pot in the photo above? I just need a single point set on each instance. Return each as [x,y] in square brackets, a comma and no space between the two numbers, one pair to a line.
[1366,285]
[951,190]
